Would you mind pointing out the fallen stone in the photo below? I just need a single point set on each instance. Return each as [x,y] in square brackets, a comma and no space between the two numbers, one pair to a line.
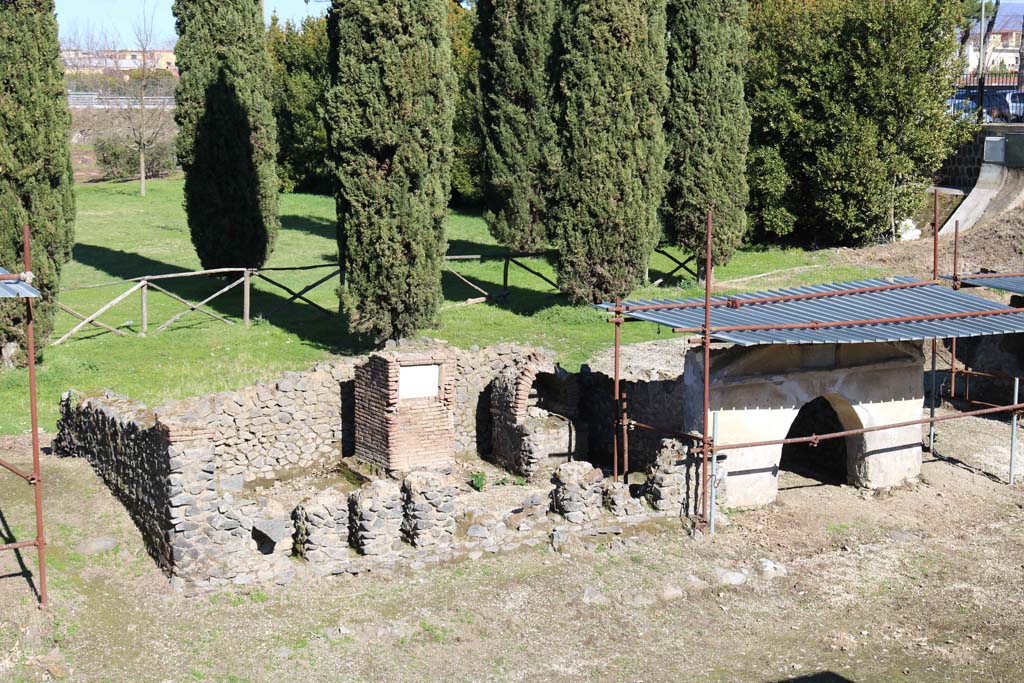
[728,577]
[771,570]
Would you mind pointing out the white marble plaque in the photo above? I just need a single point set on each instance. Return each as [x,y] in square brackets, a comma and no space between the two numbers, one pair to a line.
[419,381]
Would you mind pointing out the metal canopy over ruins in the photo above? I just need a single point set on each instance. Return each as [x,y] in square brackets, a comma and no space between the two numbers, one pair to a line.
[16,288]
[865,311]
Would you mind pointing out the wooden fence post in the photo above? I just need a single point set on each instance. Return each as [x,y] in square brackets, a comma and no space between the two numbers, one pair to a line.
[145,307]
[246,296]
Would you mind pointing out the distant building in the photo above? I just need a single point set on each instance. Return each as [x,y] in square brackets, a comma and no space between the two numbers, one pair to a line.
[1002,51]
[117,61]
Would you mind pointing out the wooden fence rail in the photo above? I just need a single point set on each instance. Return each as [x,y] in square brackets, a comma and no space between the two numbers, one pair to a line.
[145,283]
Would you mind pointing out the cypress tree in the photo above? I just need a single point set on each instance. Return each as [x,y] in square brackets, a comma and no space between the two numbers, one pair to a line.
[612,94]
[227,140]
[389,113]
[707,125]
[36,184]
[521,155]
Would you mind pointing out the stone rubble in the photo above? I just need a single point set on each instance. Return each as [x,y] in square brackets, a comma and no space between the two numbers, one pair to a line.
[577,495]
[429,505]
[619,502]
[666,477]
[321,527]
[375,518]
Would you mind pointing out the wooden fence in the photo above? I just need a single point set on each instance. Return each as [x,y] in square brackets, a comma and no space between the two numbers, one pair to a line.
[146,283]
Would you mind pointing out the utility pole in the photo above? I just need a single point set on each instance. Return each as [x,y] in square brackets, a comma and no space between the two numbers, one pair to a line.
[981,68]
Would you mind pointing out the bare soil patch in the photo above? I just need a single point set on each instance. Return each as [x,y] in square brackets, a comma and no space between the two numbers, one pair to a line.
[917,584]
[996,244]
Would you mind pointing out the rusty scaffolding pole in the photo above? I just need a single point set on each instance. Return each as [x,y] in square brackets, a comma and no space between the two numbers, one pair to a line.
[34,478]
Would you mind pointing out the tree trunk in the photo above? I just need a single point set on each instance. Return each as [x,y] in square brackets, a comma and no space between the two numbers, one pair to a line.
[142,172]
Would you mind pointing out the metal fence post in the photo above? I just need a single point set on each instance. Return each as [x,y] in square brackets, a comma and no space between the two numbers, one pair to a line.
[1013,432]
[714,467]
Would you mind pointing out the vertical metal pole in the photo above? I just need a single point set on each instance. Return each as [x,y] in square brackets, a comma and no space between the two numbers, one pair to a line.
[935,343]
[617,409]
[705,445]
[956,285]
[145,306]
[625,438]
[1013,432]
[246,296]
[714,468]
[37,481]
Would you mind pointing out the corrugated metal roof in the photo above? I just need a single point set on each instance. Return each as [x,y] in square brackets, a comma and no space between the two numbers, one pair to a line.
[16,289]
[923,300]
[1007,283]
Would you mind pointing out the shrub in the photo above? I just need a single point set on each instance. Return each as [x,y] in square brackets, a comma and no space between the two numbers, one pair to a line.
[119,161]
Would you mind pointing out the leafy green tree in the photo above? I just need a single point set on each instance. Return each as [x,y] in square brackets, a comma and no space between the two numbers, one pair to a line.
[707,125]
[300,81]
[227,141]
[467,154]
[36,184]
[389,112]
[517,117]
[612,93]
[848,100]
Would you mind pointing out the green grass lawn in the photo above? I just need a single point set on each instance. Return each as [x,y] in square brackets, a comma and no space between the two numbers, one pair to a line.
[120,236]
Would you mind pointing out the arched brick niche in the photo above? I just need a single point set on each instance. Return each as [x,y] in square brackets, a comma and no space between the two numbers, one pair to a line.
[535,417]
[757,394]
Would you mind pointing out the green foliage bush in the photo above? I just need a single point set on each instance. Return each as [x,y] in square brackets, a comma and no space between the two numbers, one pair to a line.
[390,112]
[300,82]
[119,161]
[850,122]
[227,140]
[36,183]
[612,92]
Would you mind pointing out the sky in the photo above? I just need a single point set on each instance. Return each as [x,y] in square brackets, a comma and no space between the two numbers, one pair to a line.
[116,17]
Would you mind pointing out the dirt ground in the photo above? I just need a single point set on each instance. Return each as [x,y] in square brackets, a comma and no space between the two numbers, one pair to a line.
[918,584]
[996,244]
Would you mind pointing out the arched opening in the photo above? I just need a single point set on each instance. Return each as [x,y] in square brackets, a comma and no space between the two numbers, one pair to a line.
[829,461]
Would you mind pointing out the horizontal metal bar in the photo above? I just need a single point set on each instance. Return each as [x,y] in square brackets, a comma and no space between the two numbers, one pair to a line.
[675,435]
[21,473]
[815,325]
[737,303]
[815,438]
[19,544]
[983,276]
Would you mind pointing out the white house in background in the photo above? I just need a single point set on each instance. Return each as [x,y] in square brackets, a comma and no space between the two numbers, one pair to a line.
[1002,51]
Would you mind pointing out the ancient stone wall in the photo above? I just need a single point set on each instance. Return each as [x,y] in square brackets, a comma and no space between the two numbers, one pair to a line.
[126,448]
[276,429]
[651,377]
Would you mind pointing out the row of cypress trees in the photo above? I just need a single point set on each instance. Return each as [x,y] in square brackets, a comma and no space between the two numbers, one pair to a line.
[582,134]
[604,138]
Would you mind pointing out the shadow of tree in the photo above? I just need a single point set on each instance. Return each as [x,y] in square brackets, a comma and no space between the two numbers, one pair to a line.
[821,677]
[299,318]
[7,536]
[223,173]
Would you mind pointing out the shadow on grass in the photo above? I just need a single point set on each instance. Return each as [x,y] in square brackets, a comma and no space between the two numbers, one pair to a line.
[821,677]
[7,536]
[305,321]
[314,225]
